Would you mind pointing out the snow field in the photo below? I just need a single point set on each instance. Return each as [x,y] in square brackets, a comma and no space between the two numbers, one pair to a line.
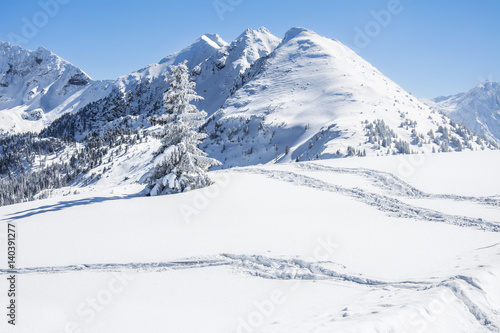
[279,248]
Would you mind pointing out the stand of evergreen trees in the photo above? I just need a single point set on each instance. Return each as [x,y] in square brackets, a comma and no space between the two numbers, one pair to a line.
[25,174]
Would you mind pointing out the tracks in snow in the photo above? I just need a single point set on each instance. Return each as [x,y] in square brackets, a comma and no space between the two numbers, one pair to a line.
[253,265]
[390,205]
[281,268]
[396,186]
[463,288]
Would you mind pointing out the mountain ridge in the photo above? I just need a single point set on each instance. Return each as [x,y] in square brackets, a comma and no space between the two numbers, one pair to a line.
[478,108]
[36,87]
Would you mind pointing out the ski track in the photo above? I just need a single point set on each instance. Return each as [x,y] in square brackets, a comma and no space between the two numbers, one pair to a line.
[253,265]
[392,206]
[397,186]
[464,288]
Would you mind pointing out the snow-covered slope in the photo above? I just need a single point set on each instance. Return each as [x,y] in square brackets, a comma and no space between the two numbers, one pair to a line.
[478,108]
[345,245]
[313,98]
[36,87]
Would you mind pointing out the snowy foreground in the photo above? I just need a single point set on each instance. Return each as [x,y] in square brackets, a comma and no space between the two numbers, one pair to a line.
[375,244]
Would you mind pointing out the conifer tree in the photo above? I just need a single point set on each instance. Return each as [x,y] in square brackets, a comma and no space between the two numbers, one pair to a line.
[179,164]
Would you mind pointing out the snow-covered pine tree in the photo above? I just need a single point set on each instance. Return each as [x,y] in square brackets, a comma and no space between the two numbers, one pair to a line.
[179,164]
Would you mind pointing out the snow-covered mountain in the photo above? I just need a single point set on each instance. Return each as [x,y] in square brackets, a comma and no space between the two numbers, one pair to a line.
[300,98]
[37,87]
[478,108]
[305,97]
[217,68]
[313,97]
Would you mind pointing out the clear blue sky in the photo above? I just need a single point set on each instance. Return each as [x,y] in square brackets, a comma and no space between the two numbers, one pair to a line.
[429,47]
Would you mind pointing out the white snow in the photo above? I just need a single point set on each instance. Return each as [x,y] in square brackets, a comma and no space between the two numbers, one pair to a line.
[279,248]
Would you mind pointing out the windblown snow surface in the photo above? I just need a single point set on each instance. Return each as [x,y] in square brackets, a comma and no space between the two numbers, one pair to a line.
[405,243]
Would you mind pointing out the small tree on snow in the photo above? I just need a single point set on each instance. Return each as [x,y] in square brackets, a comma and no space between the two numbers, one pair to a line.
[179,164]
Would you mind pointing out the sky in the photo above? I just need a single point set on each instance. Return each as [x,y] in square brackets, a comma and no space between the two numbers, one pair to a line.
[429,47]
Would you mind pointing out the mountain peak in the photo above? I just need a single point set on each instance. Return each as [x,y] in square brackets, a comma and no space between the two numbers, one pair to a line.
[213,39]
[264,30]
[261,39]
[295,31]
[204,47]
[488,85]
[249,32]
[6,46]
[253,44]
[42,49]
[43,52]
